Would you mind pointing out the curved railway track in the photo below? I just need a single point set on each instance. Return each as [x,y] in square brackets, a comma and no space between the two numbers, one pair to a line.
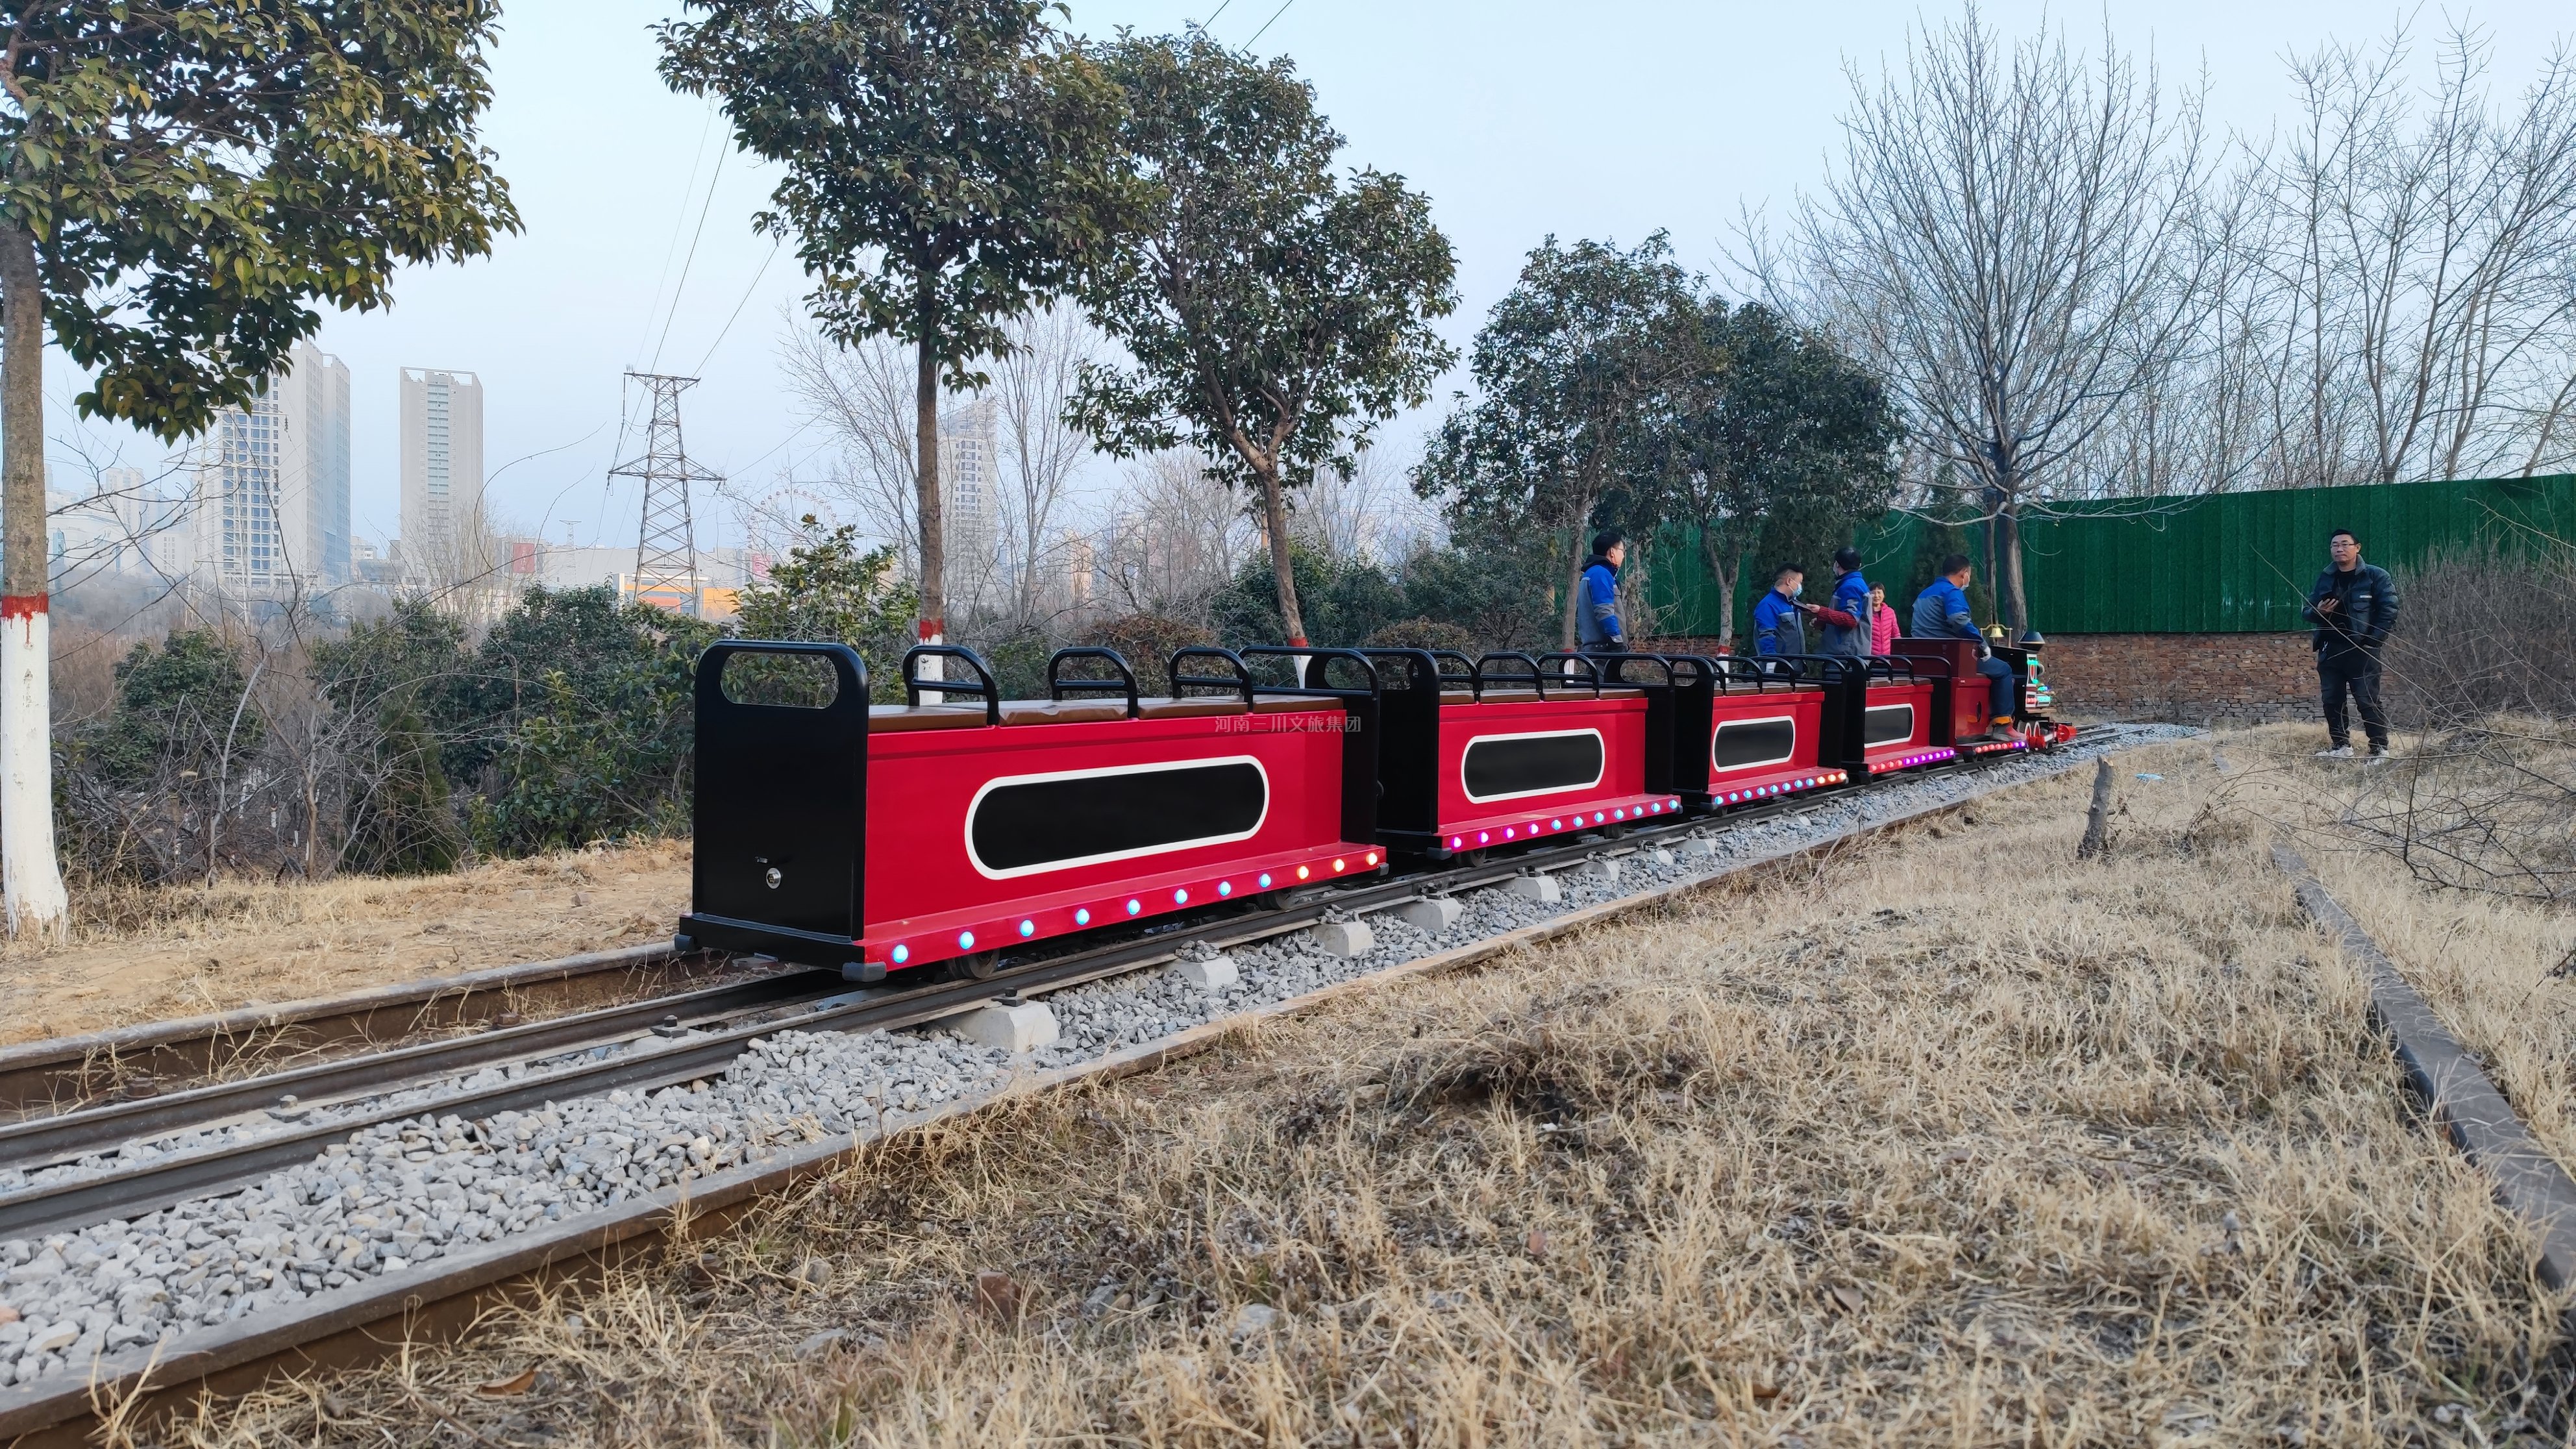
[701,1033]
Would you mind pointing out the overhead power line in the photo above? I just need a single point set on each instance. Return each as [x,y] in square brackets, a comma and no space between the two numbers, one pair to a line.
[1266,24]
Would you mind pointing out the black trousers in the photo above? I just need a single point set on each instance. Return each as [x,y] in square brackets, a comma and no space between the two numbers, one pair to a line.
[2358,673]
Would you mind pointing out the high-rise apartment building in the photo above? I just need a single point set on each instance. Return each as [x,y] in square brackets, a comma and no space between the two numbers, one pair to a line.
[273,484]
[970,504]
[442,472]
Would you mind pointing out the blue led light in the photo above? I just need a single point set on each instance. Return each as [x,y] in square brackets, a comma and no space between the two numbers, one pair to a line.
[1082,916]
[1028,928]
[1225,888]
[1265,875]
[1180,898]
[1556,825]
[965,940]
[1134,906]
[902,954]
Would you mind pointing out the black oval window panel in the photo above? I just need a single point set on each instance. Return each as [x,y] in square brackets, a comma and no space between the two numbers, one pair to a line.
[1528,764]
[1889,723]
[1754,742]
[1043,822]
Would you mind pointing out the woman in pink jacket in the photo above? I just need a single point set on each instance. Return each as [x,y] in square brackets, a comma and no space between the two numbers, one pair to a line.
[1882,621]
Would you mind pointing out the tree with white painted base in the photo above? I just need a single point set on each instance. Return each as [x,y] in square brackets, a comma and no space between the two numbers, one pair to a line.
[179,181]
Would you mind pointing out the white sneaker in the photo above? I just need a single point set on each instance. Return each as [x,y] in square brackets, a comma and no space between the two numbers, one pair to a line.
[2339,752]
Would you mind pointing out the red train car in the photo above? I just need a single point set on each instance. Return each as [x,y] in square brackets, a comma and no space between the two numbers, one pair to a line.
[1745,734]
[892,837]
[1510,748]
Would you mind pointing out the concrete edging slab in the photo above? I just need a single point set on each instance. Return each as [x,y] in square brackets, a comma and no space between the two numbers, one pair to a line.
[2454,1088]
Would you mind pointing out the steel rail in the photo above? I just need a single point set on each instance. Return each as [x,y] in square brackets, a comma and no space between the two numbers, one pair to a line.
[446,1297]
[42,1141]
[57,1073]
[78,1201]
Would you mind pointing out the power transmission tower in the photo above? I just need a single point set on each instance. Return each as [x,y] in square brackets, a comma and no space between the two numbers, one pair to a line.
[666,550]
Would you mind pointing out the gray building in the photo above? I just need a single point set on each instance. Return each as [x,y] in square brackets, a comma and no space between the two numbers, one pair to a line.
[272,504]
[443,529]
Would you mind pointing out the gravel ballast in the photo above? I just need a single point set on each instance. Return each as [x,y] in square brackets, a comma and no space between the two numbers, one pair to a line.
[400,1194]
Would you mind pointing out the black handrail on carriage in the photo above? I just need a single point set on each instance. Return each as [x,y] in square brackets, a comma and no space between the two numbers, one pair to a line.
[1317,659]
[1618,672]
[1126,679]
[983,685]
[1421,667]
[1242,680]
[1565,676]
[1478,679]
[1888,664]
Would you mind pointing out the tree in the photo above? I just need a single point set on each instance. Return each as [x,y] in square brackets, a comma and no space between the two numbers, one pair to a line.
[950,165]
[1567,368]
[826,589]
[2008,244]
[178,181]
[1275,313]
[1770,434]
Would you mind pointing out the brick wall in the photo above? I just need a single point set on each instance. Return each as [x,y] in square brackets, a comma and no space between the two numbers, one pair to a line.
[2191,678]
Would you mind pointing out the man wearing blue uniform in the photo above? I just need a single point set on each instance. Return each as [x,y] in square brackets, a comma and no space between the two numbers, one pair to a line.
[1596,614]
[1941,612]
[1847,622]
[1779,623]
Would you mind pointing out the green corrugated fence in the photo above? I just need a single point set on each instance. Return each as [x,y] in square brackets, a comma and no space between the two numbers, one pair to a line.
[2228,563]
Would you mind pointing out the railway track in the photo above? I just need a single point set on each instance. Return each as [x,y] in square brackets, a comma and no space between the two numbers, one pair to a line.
[702,1033]
[61,1074]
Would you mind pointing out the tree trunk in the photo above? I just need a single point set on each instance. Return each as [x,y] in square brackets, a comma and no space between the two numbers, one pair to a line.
[934,543]
[2009,599]
[31,881]
[1724,570]
[1574,587]
[1274,516]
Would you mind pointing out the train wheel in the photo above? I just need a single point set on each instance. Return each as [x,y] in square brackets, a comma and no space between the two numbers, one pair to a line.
[977,967]
[1470,858]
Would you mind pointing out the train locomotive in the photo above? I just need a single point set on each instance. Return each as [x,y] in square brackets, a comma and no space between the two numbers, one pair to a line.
[942,832]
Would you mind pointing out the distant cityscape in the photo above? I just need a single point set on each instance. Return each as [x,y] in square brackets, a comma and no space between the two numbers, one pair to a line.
[261,513]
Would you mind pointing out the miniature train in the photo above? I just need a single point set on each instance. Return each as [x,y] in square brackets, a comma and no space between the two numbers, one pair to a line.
[888,838]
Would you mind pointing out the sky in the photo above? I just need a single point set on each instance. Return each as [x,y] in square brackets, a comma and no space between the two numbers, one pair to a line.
[1611,120]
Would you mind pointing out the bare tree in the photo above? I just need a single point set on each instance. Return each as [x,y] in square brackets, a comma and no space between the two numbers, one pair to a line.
[1040,451]
[1177,535]
[862,398]
[2009,242]
[1372,513]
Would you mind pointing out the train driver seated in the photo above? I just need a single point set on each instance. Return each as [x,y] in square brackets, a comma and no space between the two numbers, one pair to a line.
[1941,612]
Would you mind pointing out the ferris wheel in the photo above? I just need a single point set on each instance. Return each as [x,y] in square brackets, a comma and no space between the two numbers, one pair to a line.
[778,520]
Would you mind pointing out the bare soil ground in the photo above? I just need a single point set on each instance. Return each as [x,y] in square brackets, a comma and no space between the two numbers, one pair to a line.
[140,955]
[1946,1138]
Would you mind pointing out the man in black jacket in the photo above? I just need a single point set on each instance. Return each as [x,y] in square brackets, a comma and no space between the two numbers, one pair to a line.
[2354,605]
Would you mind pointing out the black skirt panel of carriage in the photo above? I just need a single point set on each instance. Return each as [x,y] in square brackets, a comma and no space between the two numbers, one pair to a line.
[1040,823]
[1890,723]
[1497,766]
[1743,742]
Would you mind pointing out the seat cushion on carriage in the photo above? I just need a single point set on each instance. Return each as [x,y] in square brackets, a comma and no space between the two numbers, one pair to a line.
[896,718]
[1496,696]
[1062,711]
[1189,706]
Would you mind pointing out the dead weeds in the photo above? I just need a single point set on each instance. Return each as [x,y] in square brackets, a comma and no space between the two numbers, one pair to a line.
[1935,1139]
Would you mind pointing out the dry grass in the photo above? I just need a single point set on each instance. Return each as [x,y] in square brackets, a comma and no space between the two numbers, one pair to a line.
[139,954]
[2495,963]
[1947,1140]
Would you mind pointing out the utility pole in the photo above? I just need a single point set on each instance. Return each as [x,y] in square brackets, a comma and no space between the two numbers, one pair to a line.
[666,549]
